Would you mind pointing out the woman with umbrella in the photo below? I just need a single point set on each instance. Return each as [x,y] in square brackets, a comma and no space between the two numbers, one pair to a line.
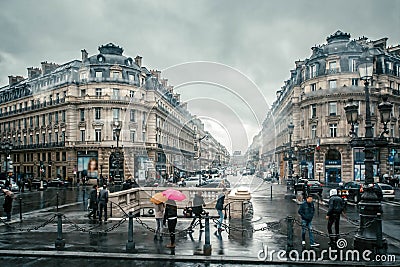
[171,212]
[8,203]
[158,200]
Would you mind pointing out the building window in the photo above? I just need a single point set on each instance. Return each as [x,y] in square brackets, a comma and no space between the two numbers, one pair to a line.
[37,120]
[30,123]
[115,93]
[354,82]
[83,92]
[63,116]
[56,117]
[132,115]
[332,108]
[43,138]
[83,135]
[62,136]
[56,137]
[333,129]
[131,94]
[116,114]
[356,128]
[82,114]
[144,136]
[98,92]
[313,87]
[353,65]
[50,138]
[313,71]
[332,84]
[313,131]
[99,74]
[43,119]
[64,156]
[372,109]
[392,130]
[50,117]
[97,134]
[133,136]
[115,75]
[332,65]
[83,76]
[37,138]
[313,110]
[97,113]
[131,77]
[391,84]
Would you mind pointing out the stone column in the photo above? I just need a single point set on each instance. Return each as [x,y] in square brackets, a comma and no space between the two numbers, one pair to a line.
[239,204]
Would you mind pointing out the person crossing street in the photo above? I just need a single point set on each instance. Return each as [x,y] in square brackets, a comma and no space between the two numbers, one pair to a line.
[335,209]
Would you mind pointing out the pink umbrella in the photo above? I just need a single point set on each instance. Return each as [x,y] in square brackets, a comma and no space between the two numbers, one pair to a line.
[173,194]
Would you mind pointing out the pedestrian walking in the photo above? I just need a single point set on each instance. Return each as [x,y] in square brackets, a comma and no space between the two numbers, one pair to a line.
[93,202]
[8,199]
[306,212]
[159,214]
[171,215]
[197,209]
[103,200]
[336,206]
[219,206]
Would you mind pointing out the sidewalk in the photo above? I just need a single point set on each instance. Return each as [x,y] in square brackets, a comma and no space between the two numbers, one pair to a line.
[238,246]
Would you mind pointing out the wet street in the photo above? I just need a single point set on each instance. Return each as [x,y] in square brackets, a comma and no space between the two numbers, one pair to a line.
[243,239]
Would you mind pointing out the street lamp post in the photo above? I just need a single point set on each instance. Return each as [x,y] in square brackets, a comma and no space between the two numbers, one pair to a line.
[117,129]
[7,147]
[369,236]
[289,159]
[199,139]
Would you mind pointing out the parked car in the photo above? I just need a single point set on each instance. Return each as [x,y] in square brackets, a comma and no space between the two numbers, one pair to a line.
[193,181]
[314,186]
[14,186]
[214,183]
[387,191]
[355,190]
[36,184]
[58,183]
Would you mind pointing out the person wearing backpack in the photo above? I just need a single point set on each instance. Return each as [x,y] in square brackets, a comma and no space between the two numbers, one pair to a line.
[336,206]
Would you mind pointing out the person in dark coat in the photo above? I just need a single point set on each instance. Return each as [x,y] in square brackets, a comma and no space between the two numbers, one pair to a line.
[8,206]
[171,215]
[93,202]
[103,200]
[197,209]
[306,212]
[219,206]
[336,206]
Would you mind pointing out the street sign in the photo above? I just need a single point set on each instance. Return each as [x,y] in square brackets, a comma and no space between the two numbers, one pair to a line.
[319,167]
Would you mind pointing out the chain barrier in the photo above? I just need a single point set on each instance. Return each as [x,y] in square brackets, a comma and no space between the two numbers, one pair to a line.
[188,230]
[32,228]
[89,231]
[352,221]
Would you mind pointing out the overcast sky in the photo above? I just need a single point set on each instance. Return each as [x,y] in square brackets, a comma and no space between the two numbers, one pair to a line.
[255,42]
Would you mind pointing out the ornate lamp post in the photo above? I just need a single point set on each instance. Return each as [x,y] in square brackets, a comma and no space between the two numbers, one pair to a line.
[7,147]
[198,147]
[118,156]
[369,236]
[289,159]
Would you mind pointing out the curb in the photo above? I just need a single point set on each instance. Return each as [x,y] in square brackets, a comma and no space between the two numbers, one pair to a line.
[164,257]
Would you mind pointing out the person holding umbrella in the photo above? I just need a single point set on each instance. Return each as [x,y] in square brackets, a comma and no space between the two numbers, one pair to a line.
[8,203]
[171,215]
[171,212]
[159,207]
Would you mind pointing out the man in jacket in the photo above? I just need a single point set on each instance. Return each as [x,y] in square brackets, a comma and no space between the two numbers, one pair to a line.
[198,203]
[336,206]
[219,206]
[306,212]
[171,215]
[93,204]
[103,200]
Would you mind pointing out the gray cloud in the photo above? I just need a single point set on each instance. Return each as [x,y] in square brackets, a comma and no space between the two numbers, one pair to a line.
[262,39]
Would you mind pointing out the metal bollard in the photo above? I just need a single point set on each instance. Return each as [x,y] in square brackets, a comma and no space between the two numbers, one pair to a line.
[319,200]
[111,209]
[60,242]
[207,245]
[289,245]
[20,209]
[381,248]
[271,191]
[130,245]
[83,194]
[57,203]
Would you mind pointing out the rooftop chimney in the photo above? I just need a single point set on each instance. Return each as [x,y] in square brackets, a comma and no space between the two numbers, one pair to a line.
[14,79]
[48,67]
[33,72]
[84,55]
[138,61]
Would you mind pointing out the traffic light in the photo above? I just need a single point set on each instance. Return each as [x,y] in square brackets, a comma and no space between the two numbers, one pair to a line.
[10,167]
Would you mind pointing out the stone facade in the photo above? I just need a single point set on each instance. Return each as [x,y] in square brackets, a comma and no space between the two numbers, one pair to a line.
[61,117]
[313,98]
